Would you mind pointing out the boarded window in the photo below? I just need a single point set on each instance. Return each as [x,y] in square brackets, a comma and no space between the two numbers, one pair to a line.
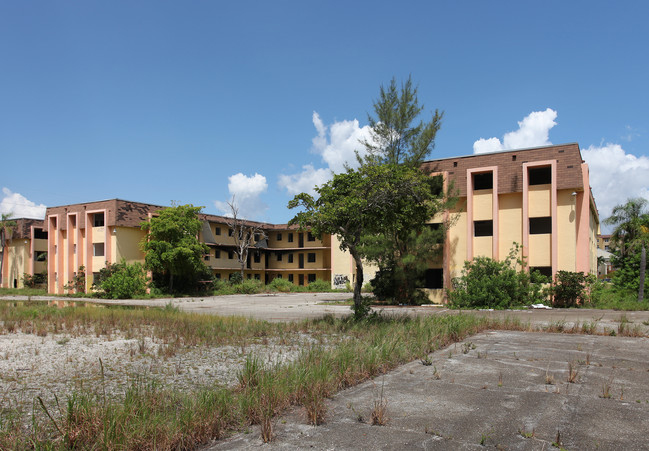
[539,226]
[483,181]
[540,176]
[310,257]
[483,228]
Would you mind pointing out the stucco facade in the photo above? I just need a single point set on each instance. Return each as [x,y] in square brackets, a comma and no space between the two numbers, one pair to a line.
[25,252]
[539,198]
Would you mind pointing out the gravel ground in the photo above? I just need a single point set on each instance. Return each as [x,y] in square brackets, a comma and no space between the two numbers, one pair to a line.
[57,364]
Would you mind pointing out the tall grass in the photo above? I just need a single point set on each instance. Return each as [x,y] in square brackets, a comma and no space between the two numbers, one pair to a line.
[151,415]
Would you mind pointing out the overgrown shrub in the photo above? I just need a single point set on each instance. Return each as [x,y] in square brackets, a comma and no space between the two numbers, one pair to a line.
[319,285]
[122,281]
[78,282]
[489,283]
[281,285]
[249,286]
[570,289]
[31,281]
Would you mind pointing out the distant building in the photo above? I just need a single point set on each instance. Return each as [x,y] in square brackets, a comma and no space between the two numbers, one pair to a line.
[539,198]
[25,252]
[604,242]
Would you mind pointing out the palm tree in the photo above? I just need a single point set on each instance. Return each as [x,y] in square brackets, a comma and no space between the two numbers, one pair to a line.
[631,222]
[6,228]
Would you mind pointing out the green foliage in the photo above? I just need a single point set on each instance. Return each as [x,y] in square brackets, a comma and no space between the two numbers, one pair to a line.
[396,137]
[122,281]
[627,268]
[172,249]
[604,295]
[570,289]
[78,282]
[281,285]
[489,283]
[319,285]
[31,281]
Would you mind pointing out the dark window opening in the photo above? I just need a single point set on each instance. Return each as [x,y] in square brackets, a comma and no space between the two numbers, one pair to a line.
[483,181]
[455,164]
[290,258]
[230,255]
[206,258]
[279,257]
[257,277]
[434,278]
[513,157]
[311,278]
[310,257]
[540,176]
[539,226]
[217,276]
[279,276]
[437,185]
[256,257]
[279,237]
[230,232]
[256,237]
[290,237]
[98,220]
[217,230]
[40,256]
[483,228]
[290,278]
[543,270]
[40,234]
[310,237]
[217,253]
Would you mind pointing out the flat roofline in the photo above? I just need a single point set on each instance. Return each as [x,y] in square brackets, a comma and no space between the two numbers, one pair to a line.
[502,152]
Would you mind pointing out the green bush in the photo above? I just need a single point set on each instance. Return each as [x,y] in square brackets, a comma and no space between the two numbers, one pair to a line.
[249,286]
[570,289]
[32,281]
[319,285]
[281,285]
[122,281]
[489,283]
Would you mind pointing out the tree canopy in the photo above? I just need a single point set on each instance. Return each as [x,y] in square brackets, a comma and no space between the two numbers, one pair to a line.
[396,136]
[171,246]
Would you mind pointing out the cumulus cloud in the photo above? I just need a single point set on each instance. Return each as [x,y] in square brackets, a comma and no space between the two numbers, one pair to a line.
[246,192]
[533,131]
[336,145]
[19,206]
[615,176]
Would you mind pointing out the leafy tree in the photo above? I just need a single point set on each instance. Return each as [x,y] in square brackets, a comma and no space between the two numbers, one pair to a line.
[630,235]
[245,235]
[6,229]
[171,246]
[396,137]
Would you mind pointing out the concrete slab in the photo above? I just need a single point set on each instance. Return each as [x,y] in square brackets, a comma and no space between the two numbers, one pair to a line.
[490,391]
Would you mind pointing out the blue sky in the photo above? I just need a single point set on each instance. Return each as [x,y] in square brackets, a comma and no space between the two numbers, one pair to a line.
[160,101]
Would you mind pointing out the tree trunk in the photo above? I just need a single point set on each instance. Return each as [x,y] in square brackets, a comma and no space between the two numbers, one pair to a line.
[171,282]
[358,299]
[643,265]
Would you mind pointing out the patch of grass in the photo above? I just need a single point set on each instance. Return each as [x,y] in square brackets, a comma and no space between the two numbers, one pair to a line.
[573,372]
[23,292]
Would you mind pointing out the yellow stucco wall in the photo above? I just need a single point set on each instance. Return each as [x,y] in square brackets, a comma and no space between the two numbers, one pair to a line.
[567,231]
[126,244]
[17,261]
[482,246]
[539,198]
[482,205]
[510,222]
[457,240]
[540,250]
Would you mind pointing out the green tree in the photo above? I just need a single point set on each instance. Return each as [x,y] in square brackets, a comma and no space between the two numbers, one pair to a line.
[395,136]
[6,229]
[630,235]
[122,280]
[171,246]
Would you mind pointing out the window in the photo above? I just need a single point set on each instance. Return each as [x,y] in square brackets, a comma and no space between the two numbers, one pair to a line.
[257,277]
[217,253]
[98,220]
[544,270]
[290,237]
[279,276]
[279,257]
[40,234]
[206,257]
[98,249]
[540,176]
[540,226]
[74,248]
[311,278]
[434,278]
[279,237]
[217,230]
[217,276]
[230,232]
[310,237]
[256,237]
[256,257]
[230,255]
[249,276]
[40,256]
[483,228]
[310,257]
[290,278]
[290,258]
[483,181]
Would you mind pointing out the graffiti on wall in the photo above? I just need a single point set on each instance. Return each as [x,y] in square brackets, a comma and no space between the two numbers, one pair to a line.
[340,281]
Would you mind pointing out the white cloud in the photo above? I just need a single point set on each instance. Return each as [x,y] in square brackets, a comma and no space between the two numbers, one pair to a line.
[246,192]
[19,206]
[615,176]
[336,145]
[305,181]
[533,131]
